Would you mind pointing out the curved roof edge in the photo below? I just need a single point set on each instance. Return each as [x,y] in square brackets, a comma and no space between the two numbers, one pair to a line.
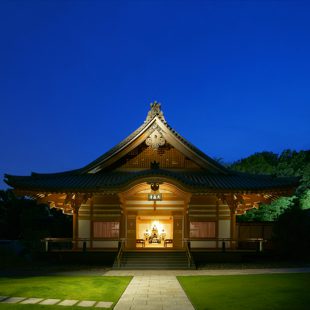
[191,181]
[155,115]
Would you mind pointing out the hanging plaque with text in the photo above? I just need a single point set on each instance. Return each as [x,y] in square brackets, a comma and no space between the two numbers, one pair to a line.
[155,197]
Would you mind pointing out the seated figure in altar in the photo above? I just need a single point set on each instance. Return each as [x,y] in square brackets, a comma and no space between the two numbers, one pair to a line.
[154,230]
[154,235]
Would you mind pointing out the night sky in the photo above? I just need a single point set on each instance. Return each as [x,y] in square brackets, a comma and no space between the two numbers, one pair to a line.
[77,77]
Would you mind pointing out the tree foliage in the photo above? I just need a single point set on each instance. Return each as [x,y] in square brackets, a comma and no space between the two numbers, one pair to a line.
[258,163]
[267,212]
[289,163]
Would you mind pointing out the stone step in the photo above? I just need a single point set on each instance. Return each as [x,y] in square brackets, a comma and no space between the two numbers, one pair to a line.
[153,260]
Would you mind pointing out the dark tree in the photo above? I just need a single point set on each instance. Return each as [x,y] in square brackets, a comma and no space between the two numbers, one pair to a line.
[292,232]
[24,219]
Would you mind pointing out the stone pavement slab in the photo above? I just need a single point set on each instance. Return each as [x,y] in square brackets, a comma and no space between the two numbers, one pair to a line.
[31,301]
[50,301]
[104,304]
[53,301]
[86,303]
[13,300]
[68,302]
[148,292]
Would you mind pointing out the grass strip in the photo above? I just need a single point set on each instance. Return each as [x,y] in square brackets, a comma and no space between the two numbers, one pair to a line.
[97,288]
[255,292]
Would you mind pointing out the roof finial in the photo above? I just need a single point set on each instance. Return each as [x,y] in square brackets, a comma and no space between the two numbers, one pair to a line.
[155,111]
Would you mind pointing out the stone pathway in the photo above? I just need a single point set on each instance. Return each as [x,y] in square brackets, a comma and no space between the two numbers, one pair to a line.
[53,301]
[154,292]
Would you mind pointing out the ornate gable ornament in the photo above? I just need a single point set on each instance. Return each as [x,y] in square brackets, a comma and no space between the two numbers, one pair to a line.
[154,166]
[155,140]
[155,111]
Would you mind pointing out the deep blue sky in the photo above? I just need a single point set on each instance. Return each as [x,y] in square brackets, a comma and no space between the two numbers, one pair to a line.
[77,77]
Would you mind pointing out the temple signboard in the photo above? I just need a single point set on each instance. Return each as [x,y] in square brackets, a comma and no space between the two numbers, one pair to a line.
[155,197]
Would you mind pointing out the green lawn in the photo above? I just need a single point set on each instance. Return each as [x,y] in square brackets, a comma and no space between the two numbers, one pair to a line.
[254,292]
[63,287]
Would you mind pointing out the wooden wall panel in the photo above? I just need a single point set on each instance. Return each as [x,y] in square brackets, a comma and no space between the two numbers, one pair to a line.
[131,231]
[178,231]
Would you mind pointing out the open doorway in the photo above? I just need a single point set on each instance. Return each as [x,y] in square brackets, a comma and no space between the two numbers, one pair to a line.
[154,231]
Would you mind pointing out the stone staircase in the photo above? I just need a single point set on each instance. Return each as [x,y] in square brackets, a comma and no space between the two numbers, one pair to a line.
[154,260]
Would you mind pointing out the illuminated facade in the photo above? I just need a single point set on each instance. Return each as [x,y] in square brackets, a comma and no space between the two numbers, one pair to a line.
[153,190]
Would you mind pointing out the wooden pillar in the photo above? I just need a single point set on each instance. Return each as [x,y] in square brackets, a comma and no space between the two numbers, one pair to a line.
[122,233]
[186,219]
[91,223]
[75,223]
[123,218]
[186,223]
[233,201]
[217,222]
[76,200]
[232,226]
[178,224]
[131,231]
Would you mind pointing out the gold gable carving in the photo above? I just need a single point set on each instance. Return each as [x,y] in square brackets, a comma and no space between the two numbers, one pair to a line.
[155,140]
[167,157]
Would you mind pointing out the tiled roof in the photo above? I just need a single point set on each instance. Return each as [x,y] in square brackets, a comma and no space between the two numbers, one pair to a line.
[156,116]
[212,177]
[195,181]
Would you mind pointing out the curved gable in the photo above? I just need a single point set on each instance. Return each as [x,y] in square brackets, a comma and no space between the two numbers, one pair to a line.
[159,142]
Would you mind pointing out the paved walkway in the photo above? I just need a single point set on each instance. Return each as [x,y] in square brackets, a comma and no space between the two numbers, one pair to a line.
[154,292]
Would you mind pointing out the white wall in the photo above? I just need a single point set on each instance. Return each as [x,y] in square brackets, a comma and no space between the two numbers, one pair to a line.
[84,229]
[224,229]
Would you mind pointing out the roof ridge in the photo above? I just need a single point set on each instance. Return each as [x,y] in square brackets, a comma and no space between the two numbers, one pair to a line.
[155,111]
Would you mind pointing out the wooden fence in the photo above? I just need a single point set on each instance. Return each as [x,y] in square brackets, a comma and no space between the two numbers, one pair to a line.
[254,230]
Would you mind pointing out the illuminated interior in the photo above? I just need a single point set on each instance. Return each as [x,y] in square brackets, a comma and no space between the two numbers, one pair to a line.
[155,231]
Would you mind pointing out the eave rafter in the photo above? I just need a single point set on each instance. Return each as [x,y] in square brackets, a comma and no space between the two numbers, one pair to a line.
[240,203]
[69,203]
